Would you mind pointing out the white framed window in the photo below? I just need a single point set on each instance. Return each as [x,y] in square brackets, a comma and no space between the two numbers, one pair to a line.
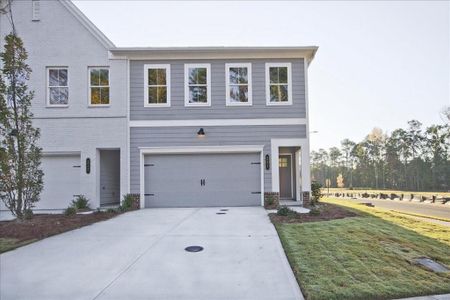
[238,84]
[278,84]
[57,86]
[197,85]
[99,91]
[157,85]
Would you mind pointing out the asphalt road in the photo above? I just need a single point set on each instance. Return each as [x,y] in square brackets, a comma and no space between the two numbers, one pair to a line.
[434,210]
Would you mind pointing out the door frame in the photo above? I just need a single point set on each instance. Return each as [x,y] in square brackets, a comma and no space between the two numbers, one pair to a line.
[197,150]
[292,173]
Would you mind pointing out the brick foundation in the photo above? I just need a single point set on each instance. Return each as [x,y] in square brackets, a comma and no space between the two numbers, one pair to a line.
[271,200]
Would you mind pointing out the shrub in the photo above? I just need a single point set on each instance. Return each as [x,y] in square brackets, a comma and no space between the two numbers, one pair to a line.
[80,202]
[315,192]
[285,211]
[111,210]
[314,212]
[127,202]
[70,211]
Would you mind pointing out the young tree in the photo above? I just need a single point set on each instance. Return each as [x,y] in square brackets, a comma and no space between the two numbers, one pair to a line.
[20,174]
[340,181]
[347,150]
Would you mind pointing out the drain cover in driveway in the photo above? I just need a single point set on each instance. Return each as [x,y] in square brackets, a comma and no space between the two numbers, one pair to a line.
[224,209]
[194,248]
[431,265]
[221,213]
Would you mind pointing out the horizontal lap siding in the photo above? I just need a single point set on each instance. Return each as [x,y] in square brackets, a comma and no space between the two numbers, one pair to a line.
[215,136]
[218,109]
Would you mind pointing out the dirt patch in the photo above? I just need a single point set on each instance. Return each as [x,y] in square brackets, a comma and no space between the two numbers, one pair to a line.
[45,225]
[327,212]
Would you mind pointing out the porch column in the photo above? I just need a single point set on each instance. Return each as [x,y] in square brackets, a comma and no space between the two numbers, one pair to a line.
[305,168]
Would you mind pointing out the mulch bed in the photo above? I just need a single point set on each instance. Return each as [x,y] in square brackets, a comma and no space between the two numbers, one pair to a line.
[327,212]
[45,225]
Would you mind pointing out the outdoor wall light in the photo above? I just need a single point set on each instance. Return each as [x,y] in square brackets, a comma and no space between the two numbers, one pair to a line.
[88,165]
[267,162]
[201,133]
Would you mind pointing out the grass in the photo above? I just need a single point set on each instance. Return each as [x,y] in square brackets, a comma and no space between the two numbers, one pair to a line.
[8,244]
[366,257]
[422,216]
[398,192]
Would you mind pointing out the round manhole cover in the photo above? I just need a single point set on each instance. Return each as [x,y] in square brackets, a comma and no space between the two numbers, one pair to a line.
[194,248]
[221,213]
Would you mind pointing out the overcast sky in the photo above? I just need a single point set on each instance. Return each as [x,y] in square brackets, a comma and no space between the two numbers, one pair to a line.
[379,63]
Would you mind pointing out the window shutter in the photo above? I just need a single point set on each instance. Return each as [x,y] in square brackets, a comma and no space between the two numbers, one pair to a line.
[36,9]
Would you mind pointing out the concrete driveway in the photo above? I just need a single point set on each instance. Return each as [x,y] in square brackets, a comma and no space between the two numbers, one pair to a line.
[140,255]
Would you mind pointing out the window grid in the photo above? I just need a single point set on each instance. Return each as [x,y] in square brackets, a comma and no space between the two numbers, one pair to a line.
[51,88]
[102,89]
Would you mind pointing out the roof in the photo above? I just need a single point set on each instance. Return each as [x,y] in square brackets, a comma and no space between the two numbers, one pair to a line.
[307,52]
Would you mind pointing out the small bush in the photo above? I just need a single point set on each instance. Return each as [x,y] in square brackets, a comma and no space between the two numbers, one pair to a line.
[28,214]
[70,211]
[314,212]
[111,210]
[80,202]
[285,211]
[316,192]
[127,202]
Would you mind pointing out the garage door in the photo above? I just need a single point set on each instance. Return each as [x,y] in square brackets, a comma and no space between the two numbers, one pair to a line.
[61,181]
[196,180]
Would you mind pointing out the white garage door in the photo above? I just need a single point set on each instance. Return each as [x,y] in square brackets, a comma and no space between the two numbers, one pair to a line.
[196,180]
[61,181]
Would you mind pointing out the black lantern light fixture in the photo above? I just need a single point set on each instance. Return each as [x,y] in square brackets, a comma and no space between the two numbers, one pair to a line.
[201,132]
[267,160]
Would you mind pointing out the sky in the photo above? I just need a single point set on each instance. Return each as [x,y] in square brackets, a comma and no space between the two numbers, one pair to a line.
[379,64]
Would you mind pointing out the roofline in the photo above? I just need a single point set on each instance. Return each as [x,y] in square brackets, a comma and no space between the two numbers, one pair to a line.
[214,51]
[76,12]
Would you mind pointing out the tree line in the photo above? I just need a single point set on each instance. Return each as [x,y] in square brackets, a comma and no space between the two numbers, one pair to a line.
[412,158]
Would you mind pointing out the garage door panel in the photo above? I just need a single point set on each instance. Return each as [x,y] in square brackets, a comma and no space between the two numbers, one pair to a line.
[229,180]
[61,181]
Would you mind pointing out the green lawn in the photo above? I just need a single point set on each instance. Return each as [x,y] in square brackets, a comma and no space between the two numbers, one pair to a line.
[366,257]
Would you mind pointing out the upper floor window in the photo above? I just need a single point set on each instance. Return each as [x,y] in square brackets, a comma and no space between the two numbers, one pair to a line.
[57,86]
[238,84]
[278,84]
[197,78]
[157,85]
[98,86]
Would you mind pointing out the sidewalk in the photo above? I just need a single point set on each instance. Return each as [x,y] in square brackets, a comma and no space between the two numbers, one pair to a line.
[433,297]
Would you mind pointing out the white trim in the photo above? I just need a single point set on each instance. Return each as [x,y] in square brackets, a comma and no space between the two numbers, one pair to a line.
[289,83]
[218,122]
[197,149]
[292,173]
[249,84]
[146,86]
[61,153]
[186,85]
[48,104]
[298,176]
[303,143]
[128,131]
[305,155]
[90,105]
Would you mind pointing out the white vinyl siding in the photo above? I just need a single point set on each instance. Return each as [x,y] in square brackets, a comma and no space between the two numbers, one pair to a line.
[57,86]
[238,84]
[278,84]
[197,80]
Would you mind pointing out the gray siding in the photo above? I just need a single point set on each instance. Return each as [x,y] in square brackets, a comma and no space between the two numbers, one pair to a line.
[218,108]
[215,136]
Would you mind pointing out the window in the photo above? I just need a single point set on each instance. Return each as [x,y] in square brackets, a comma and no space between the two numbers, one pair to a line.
[157,85]
[197,78]
[98,86]
[283,162]
[58,86]
[278,84]
[238,84]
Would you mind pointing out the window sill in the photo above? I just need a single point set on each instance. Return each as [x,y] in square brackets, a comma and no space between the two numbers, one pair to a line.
[159,105]
[57,106]
[238,104]
[98,105]
[278,103]
[197,104]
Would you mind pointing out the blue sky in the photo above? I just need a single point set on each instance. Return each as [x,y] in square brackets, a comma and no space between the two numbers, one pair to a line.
[379,63]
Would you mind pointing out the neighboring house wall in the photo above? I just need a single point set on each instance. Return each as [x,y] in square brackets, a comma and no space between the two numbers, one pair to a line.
[59,39]
[218,108]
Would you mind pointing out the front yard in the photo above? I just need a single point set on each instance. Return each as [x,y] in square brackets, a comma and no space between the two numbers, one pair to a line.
[368,256]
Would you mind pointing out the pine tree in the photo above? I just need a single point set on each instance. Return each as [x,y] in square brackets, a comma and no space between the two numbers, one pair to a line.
[20,157]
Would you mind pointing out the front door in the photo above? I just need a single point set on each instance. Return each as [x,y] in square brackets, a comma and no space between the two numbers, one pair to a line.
[285,167]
